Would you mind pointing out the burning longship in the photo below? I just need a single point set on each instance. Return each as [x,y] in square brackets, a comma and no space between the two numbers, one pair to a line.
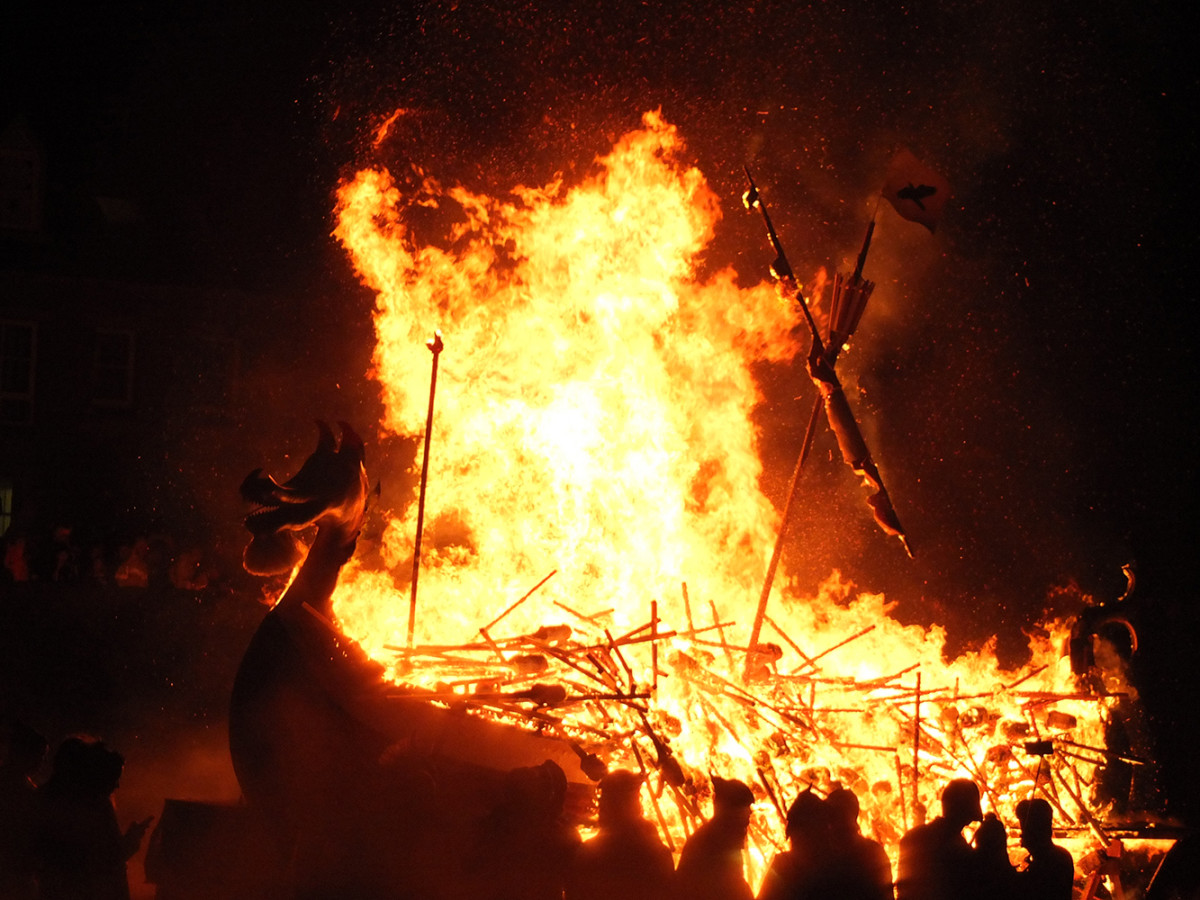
[596,536]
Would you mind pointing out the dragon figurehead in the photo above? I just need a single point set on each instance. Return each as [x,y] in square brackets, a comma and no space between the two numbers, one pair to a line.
[329,493]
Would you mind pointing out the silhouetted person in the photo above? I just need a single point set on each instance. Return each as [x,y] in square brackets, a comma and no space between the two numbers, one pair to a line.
[936,862]
[798,872]
[1050,873]
[524,848]
[16,558]
[626,859]
[859,868]
[66,554]
[710,865]
[78,844]
[133,572]
[21,756]
[997,879]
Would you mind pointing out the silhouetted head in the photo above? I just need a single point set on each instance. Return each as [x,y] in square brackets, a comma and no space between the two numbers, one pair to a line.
[619,797]
[1037,823]
[842,805]
[535,791]
[732,801]
[85,766]
[960,802]
[807,818]
[991,840]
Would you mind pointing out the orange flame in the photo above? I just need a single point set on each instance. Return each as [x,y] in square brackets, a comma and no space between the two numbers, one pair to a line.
[594,417]
[385,127]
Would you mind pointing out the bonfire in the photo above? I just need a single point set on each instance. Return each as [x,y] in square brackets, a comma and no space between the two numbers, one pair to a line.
[596,536]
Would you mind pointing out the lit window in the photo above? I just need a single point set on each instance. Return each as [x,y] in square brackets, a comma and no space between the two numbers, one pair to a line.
[6,505]
[18,349]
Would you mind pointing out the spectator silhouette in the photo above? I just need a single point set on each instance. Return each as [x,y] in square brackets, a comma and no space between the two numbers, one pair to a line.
[16,558]
[710,865]
[66,554]
[134,570]
[997,879]
[1050,872]
[798,871]
[625,859]
[79,848]
[525,849]
[936,863]
[21,756]
[859,867]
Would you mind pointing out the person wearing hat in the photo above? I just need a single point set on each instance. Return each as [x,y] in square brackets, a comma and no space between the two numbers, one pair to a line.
[1050,872]
[710,866]
[626,858]
[936,862]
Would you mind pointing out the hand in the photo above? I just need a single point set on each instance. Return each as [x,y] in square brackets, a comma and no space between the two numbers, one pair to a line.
[135,832]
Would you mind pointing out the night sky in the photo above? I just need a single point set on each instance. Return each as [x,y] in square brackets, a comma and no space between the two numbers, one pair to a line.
[1026,372]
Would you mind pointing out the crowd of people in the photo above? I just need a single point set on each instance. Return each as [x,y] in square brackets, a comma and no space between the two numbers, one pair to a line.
[153,559]
[60,840]
[828,856]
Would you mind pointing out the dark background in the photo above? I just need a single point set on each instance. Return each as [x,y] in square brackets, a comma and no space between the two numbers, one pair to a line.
[1025,373]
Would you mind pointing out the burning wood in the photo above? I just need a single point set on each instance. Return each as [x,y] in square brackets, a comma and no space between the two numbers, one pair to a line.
[964,742]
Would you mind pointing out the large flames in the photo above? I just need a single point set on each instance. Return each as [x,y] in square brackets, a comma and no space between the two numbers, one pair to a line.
[594,419]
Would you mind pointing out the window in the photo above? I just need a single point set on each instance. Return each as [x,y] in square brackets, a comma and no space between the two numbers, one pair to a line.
[112,377]
[6,505]
[18,350]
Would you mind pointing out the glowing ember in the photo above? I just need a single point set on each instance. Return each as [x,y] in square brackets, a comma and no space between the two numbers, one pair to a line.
[594,418]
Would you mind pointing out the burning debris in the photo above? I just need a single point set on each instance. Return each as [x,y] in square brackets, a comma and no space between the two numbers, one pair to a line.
[594,422]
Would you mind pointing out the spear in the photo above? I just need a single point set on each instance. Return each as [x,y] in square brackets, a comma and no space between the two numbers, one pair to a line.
[435,346]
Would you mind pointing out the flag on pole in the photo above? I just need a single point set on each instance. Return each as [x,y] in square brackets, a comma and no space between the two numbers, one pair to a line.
[916,191]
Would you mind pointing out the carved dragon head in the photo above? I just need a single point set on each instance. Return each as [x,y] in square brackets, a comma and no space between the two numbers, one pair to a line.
[329,492]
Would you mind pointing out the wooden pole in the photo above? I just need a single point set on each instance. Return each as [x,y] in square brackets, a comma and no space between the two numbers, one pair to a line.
[435,347]
[654,646]
[917,744]
[761,612]
[524,597]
